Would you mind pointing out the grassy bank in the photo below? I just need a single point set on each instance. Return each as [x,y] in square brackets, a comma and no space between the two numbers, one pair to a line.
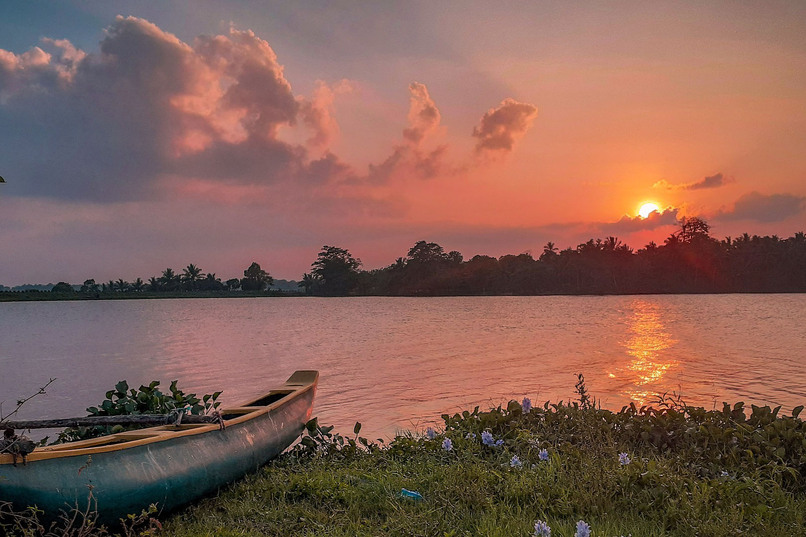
[672,470]
[675,470]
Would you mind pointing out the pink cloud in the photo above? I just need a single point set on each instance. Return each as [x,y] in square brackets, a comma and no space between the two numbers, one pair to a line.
[424,116]
[631,224]
[712,181]
[318,112]
[764,208]
[501,127]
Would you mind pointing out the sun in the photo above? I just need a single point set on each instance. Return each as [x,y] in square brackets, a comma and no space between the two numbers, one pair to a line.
[647,208]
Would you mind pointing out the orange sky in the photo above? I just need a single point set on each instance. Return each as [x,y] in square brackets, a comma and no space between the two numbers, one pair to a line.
[140,135]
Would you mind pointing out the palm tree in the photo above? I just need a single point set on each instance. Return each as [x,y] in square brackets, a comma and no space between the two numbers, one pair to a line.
[191,276]
[169,280]
[137,285]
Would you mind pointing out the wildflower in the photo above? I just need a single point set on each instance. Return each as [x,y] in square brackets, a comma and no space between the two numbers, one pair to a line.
[583,529]
[430,433]
[724,473]
[623,459]
[526,405]
[542,529]
[487,438]
[470,436]
[543,455]
[515,462]
[447,445]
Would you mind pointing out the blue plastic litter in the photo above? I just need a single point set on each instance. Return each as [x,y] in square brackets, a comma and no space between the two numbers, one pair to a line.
[411,494]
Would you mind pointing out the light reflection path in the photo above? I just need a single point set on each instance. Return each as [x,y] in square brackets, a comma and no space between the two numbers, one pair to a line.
[646,345]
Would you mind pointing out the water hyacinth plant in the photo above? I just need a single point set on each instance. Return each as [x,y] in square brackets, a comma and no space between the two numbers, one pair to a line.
[430,433]
[583,529]
[623,459]
[447,445]
[488,440]
[542,529]
[515,462]
[543,455]
[526,405]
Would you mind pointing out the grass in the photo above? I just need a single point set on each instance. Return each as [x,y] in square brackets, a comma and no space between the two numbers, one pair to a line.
[690,472]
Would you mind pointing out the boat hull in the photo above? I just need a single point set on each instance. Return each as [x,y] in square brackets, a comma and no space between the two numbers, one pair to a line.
[169,469]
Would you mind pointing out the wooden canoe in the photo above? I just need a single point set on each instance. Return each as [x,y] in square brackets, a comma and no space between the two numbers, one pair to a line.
[167,465]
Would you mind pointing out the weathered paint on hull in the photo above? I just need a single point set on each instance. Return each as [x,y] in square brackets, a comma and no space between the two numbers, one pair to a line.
[168,473]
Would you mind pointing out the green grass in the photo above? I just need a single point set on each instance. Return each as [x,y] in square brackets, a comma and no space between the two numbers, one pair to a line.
[692,472]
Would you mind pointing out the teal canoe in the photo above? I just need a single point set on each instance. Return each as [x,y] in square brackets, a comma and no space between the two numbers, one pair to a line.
[168,465]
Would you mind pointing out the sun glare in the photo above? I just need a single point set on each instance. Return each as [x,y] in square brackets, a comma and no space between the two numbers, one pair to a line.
[647,208]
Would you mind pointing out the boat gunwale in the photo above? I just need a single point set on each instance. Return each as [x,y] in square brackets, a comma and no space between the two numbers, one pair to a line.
[161,433]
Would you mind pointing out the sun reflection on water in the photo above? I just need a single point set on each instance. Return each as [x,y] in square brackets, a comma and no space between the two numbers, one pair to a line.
[646,345]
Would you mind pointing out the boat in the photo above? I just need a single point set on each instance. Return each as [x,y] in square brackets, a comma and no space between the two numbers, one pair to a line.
[167,465]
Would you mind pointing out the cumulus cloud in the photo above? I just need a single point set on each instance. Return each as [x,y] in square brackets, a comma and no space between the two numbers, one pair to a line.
[413,158]
[424,115]
[764,208]
[317,112]
[147,111]
[630,224]
[711,181]
[501,127]
[107,125]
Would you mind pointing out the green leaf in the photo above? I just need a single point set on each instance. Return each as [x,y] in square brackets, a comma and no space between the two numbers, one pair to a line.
[357,427]
[326,429]
[122,387]
[312,425]
[797,410]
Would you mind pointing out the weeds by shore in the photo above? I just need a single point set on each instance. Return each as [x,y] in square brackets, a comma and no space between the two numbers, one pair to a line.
[520,471]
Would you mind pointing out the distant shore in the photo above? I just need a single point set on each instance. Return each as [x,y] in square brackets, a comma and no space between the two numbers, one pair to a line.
[47,296]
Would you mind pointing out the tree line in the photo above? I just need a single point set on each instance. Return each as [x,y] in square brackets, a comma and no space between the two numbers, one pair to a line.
[690,260]
[191,279]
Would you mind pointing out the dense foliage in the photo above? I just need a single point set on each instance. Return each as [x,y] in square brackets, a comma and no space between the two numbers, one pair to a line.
[690,261]
[146,400]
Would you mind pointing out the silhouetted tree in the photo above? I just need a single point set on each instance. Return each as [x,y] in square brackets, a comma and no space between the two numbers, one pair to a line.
[62,287]
[169,281]
[90,287]
[255,278]
[191,276]
[335,271]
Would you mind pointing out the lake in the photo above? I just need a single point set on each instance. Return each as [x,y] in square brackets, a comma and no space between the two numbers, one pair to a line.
[398,363]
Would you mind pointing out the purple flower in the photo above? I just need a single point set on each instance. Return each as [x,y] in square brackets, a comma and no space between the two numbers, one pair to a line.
[583,529]
[526,405]
[543,455]
[470,436]
[487,438]
[430,433]
[515,462]
[542,529]
[447,445]
[623,459]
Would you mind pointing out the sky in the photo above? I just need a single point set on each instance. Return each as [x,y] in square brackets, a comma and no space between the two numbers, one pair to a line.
[140,135]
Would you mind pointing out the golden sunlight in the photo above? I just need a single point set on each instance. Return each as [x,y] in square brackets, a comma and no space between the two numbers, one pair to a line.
[649,362]
[648,208]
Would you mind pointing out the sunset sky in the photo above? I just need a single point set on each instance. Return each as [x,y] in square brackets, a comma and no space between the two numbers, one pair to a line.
[140,135]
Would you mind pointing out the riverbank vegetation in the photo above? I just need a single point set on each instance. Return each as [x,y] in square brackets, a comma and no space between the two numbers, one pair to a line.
[689,261]
[569,468]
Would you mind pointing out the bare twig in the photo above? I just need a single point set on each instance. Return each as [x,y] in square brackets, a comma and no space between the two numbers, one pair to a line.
[23,401]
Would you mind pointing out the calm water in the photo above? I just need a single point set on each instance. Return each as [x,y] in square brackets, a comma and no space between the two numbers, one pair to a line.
[398,363]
